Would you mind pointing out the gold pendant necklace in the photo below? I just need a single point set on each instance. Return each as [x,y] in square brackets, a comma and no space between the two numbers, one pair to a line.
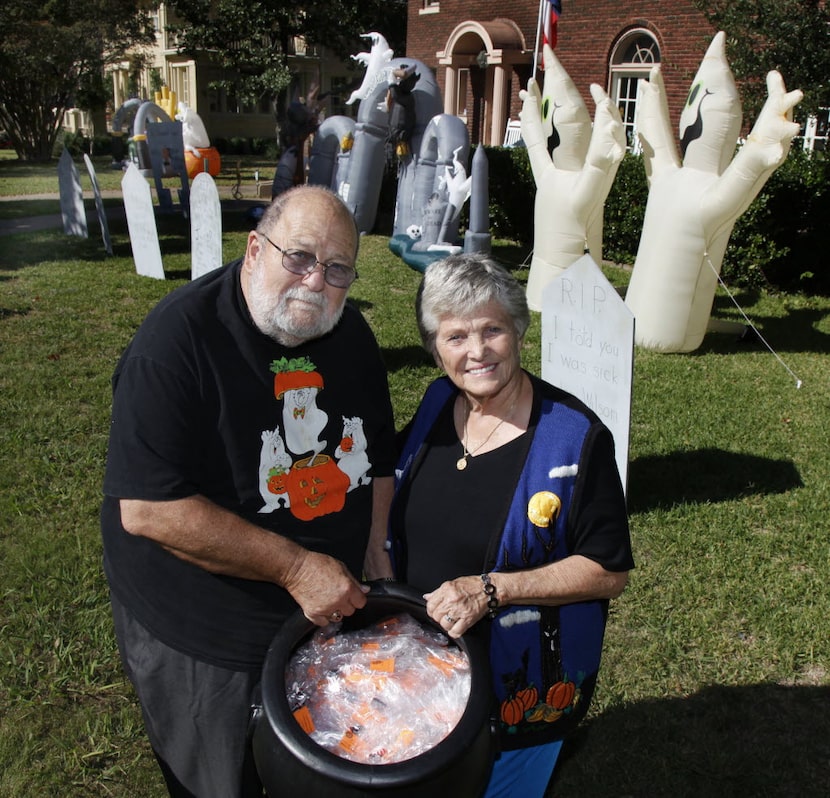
[461,463]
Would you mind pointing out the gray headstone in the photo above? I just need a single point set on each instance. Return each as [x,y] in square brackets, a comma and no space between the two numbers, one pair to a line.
[205,226]
[141,223]
[71,197]
[99,205]
[166,146]
[588,347]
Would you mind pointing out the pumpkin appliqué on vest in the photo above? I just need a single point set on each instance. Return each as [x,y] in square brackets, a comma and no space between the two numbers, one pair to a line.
[526,709]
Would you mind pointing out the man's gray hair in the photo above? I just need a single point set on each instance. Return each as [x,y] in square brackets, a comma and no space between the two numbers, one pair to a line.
[278,204]
[459,285]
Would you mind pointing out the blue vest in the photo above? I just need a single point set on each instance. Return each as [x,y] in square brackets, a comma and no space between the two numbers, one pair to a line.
[544,660]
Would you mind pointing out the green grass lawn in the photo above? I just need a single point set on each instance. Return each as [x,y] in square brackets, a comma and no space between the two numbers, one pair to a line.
[715,679]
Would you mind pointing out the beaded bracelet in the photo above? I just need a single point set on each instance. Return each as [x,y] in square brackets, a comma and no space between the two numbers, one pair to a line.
[492,598]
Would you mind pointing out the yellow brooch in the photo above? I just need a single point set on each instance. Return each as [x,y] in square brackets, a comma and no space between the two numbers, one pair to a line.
[543,508]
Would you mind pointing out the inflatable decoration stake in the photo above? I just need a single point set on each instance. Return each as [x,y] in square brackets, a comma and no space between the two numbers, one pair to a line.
[693,204]
[573,167]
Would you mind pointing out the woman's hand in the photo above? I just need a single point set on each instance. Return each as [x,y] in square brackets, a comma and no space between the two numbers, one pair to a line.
[458,604]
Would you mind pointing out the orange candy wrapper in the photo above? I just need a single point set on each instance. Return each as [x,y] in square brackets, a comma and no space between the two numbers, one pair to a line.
[382,694]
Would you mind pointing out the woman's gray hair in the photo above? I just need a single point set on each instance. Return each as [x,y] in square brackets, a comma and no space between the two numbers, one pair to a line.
[460,284]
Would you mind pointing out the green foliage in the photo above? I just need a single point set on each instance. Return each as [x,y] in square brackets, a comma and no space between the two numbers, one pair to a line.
[791,36]
[782,238]
[625,209]
[52,55]
[252,39]
[512,191]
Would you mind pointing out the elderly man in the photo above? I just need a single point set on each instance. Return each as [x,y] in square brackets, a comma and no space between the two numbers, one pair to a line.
[250,462]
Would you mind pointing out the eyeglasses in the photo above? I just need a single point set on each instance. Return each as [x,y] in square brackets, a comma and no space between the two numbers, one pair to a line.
[298,261]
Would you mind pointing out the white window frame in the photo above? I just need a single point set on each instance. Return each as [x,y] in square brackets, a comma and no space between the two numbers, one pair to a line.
[625,72]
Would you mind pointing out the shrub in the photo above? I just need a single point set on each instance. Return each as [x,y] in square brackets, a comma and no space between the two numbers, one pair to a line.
[512,193]
[625,209]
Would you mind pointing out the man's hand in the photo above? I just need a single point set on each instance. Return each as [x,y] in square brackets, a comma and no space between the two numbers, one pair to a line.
[324,588]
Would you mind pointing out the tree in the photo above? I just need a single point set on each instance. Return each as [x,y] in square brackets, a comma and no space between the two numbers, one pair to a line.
[251,39]
[791,36]
[52,57]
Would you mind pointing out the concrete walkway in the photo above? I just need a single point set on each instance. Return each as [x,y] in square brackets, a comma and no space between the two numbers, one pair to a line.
[51,221]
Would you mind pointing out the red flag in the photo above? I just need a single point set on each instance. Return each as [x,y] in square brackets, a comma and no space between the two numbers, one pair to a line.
[550,23]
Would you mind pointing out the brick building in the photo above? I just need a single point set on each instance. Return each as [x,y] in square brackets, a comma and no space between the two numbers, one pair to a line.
[482,52]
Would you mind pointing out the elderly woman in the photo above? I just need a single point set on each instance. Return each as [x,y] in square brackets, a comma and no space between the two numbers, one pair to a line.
[509,515]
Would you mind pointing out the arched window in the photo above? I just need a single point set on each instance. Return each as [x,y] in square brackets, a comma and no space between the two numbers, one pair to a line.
[632,59]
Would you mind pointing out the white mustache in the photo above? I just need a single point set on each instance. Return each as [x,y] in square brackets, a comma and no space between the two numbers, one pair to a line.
[311,297]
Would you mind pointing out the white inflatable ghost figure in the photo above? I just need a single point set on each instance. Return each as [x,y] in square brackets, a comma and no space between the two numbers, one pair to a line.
[194,134]
[572,182]
[693,205]
[375,62]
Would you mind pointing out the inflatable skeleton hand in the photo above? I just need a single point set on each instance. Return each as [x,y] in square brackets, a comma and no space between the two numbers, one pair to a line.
[574,164]
[693,204]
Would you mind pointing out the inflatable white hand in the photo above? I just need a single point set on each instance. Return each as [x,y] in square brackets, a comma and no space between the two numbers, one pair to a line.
[572,182]
[693,205]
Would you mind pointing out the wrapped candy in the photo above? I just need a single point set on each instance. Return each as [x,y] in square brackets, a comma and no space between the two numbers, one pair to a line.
[381,694]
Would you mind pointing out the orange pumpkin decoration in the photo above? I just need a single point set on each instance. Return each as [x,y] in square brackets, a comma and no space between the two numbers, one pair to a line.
[316,486]
[529,696]
[196,164]
[512,710]
[560,695]
[276,481]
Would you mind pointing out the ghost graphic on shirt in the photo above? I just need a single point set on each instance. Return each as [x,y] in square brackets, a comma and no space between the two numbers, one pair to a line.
[274,465]
[351,453]
[303,421]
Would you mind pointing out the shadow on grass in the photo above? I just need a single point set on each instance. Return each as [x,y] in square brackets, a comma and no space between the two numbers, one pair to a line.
[796,332]
[406,357]
[705,475]
[757,740]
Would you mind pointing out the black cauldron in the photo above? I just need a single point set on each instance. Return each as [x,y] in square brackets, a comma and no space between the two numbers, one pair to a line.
[290,763]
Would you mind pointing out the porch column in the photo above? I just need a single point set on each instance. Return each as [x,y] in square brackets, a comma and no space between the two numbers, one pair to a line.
[499,106]
[450,90]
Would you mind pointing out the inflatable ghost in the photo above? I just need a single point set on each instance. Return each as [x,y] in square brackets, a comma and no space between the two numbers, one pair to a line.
[375,61]
[693,205]
[574,165]
[197,149]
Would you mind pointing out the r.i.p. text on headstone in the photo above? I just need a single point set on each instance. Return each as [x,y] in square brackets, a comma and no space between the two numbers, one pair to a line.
[73,213]
[205,226]
[588,347]
[141,224]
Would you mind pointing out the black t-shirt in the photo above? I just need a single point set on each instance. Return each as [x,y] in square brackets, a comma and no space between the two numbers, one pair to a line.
[452,520]
[198,410]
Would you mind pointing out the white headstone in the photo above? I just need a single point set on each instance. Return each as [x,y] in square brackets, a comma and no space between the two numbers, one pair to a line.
[588,347]
[73,213]
[141,223]
[99,205]
[205,226]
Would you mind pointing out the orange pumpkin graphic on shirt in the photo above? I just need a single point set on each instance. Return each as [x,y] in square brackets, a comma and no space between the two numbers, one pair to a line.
[316,487]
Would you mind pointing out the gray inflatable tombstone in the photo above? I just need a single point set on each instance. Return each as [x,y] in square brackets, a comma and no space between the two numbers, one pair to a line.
[361,183]
[444,141]
[329,160]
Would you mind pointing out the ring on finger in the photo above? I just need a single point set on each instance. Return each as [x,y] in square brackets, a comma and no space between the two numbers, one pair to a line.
[449,619]
[336,616]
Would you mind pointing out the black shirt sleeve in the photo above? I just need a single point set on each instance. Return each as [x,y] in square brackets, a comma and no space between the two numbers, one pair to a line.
[598,519]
